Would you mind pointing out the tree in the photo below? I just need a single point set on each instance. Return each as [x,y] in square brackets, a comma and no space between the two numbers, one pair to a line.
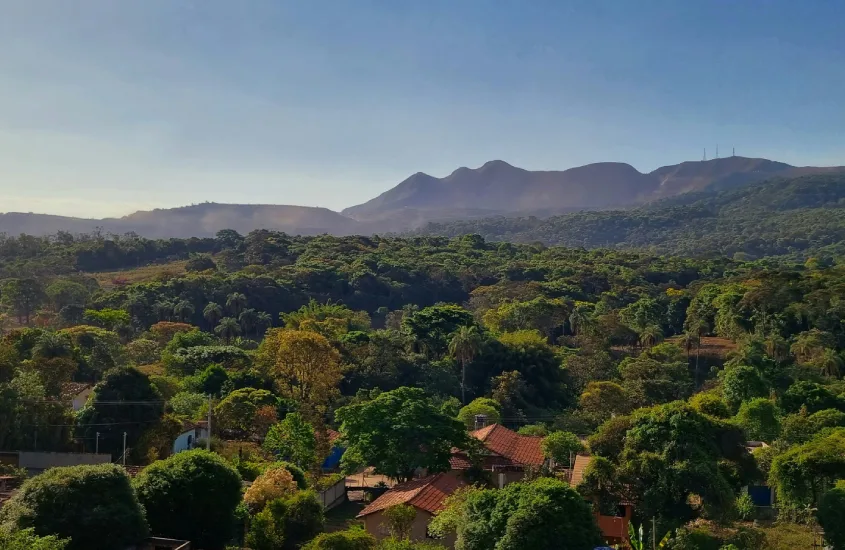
[561,447]
[480,406]
[212,313]
[287,523]
[227,329]
[22,296]
[810,395]
[54,372]
[831,515]
[205,490]
[305,366]
[263,321]
[248,320]
[28,540]
[651,336]
[602,400]
[143,351]
[830,363]
[352,539]
[184,310]
[464,345]
[94,506]
[200,262]
[124,402]
[609,439]
[235,303]
[400,520]
[107,318]
[293,440]
[431,327]
[63,293]
[742,383]
[398,432]
[802,473]
[237,412]
[275,482]
[649,382]
[760,419]
[545,514]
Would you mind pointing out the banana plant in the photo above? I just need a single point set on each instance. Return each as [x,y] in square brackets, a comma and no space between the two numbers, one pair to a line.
[635,538]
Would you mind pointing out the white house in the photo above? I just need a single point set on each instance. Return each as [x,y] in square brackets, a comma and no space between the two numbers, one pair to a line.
[77,393]
[191,433]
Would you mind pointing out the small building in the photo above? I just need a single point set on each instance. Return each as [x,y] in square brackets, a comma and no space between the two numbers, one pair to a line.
[77,393]
[762,495]
[614,529]
[426,495]
[191,433]
[507,454]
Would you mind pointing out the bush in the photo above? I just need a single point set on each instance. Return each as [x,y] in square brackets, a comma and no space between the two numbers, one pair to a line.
[193,496]
[831,516]
[745,507]
[400,520]
[276,482]
[353,539]
[28,540]
[286,524]
[94,506]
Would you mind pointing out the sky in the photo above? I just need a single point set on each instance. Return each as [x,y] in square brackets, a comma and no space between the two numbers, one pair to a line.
[107,107]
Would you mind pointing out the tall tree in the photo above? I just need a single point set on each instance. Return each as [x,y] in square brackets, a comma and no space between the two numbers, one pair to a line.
[235,303]
[248,320]
[227,329]
[212,313]
[464,345]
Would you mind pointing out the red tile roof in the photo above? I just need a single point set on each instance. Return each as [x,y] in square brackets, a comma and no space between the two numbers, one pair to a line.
[70,390]
[427,494]
[332,435]
[522,450]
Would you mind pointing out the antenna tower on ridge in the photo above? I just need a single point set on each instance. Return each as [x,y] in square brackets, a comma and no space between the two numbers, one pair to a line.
[733,152]
[717,150]
[705,154]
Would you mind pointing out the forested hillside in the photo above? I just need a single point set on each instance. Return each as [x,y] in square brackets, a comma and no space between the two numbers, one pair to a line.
[796,218]
[628,356]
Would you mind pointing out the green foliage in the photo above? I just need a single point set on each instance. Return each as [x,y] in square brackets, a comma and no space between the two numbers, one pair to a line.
[205,490]
[293,440]
[649,382]
[400,520]
[710,403]
[801,473]
[398,432]
[536,430]
[740,384]
[352,539]
[480,406]
[745,507]
[432,327]
[188,404]
[28,540]
[561,447]
[831,515]
[760,419]
[543,514]
[94,506]
[107,318]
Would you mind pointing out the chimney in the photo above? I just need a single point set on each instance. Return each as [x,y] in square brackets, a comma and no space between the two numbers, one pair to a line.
[480,421]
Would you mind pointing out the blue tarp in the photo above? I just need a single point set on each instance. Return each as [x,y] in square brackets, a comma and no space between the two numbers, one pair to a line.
[333,460]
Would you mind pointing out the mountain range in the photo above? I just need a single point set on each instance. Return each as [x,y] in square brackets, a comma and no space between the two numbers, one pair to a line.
[494,189]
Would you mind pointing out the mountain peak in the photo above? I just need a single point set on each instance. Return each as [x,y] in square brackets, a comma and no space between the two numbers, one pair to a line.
[495,165]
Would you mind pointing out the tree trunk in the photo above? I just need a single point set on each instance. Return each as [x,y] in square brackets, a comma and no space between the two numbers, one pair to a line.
[463,382]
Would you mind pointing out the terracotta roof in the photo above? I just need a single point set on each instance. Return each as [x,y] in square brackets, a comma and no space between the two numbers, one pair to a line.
[577,475]
[133,470]
[426,494]
[72,389]
[333,435]
[459,461]
[519,449]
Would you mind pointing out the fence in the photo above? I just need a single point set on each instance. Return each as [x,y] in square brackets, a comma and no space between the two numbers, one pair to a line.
[334,495]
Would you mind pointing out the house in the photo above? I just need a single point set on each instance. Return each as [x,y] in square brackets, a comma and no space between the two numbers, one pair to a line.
[761,495]
[426,495]
[506,454]
[191,433]
[77,394]
[613,528]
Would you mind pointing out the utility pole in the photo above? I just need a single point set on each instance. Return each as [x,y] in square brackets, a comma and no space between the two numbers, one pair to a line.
[208,436]
[35,443]
[124,448]
[97,444]
[653,534]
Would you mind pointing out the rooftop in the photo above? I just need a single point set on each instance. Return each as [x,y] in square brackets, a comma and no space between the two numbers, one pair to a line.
[523,450]
[426,494]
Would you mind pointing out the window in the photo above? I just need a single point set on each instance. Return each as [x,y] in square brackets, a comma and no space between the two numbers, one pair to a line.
[190,440]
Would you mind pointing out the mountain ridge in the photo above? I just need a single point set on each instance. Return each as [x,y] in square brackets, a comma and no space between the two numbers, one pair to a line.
[496,188]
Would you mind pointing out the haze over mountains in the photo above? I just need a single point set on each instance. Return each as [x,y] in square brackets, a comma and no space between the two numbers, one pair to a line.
[494,189]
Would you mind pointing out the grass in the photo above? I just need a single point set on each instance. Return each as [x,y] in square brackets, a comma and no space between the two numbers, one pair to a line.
[788,536]
[109,280]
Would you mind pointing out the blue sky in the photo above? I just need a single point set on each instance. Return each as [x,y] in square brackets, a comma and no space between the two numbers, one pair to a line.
[110,106]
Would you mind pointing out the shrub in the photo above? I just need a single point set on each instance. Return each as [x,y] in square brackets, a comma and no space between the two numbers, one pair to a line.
[831,516]
[745,507]
[353,539]
[400,519]
[276,482]
[94,506]
[286,524]
[193,496]
[28,540]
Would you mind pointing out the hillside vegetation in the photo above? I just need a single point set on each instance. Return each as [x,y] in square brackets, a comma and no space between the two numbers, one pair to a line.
[796,217]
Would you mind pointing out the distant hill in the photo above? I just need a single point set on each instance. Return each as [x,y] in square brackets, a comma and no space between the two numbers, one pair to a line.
[494,189]
[499,188]
[781,217]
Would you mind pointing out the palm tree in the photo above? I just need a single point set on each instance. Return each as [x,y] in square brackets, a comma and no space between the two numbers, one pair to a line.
[212,313]
[263,322]
[248,320]
[52,345]
[578,319]
[697,328]
[464,345]
[235,303]
[830,363]
[777,348]
[651,336]
[228,328]
[184,310]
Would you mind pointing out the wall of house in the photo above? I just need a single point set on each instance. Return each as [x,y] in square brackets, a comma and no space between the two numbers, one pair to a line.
[376,525]
[80,400]
[184,442]
[614,529]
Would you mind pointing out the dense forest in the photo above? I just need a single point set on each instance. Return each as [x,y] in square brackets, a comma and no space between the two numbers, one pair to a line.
[663,367]
[794,218]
